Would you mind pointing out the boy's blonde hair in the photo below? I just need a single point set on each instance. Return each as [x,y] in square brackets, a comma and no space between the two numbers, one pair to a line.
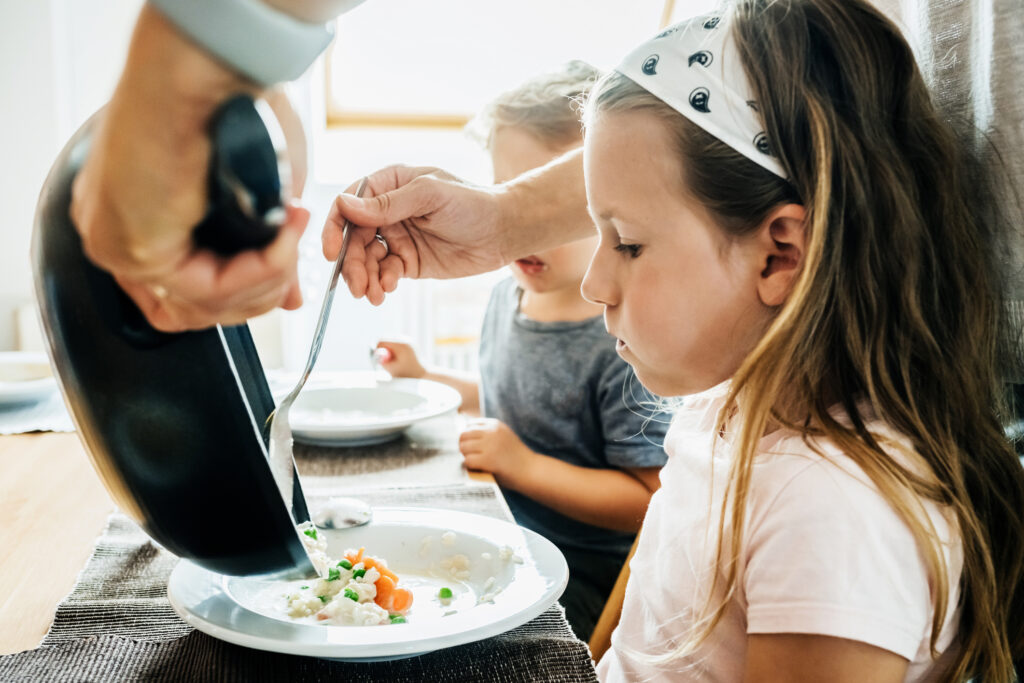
[544,106]
[897,305]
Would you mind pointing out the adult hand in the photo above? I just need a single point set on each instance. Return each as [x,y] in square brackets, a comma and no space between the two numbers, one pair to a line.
[142,191]
[489,445]
[437,226]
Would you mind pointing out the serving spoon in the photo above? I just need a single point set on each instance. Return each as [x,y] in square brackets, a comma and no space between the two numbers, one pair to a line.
[347,512]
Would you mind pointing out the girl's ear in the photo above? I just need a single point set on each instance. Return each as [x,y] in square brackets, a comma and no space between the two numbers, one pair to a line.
[780,250]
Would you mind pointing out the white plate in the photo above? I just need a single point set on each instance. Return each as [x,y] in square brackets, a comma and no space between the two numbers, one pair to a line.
[251,611]
[25,377]
[361,415]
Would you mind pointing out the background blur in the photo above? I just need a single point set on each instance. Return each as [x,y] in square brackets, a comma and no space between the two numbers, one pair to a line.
[398,85]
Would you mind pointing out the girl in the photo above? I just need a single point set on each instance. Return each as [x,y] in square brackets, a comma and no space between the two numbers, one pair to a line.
[790,236]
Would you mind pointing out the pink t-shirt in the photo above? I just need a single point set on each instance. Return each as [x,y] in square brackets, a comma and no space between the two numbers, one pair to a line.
[823,553]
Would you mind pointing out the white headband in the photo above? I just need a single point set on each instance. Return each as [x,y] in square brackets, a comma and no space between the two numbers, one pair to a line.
[694,67]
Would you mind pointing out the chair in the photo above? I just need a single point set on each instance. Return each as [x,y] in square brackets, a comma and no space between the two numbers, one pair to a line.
[601,638]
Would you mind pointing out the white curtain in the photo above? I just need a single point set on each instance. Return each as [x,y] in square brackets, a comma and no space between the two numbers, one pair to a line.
[972,54]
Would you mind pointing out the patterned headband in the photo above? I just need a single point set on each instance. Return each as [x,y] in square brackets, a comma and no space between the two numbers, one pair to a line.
[694,67]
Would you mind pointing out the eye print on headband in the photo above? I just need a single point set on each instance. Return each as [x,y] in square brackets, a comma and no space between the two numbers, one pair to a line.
[712,23]
[699,100]
[704,58]
[650,65]
[761,142]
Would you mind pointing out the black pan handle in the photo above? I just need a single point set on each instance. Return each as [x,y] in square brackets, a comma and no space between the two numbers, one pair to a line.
[246,205]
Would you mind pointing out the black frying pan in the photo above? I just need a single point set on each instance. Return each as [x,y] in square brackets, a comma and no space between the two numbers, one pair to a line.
[175,424]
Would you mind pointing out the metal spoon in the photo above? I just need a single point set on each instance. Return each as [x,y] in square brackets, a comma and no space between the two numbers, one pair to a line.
[281,456]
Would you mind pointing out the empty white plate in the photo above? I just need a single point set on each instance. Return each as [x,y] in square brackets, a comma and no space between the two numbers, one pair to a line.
[514,575]
[362,415]
[25,377]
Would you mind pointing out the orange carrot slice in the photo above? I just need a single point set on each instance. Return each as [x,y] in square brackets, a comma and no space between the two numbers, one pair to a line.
[401,600]
[385,589]
[373,563]
[355,558]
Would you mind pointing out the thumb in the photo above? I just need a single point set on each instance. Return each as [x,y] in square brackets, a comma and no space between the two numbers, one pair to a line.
[409,201]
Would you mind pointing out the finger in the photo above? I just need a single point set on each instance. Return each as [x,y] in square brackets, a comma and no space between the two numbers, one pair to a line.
[403,253]
[223,283]
[469,438]
[475,462]
[392,269]
[418,198]
[354,269]
[333,235]
[150,305]
[390,178]
[293,300]
[375,251]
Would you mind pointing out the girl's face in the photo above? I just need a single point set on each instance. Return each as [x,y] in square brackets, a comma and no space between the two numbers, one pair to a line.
[515,151]
[681,299]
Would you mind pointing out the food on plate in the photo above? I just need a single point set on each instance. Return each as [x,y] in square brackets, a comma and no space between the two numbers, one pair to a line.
[357,590]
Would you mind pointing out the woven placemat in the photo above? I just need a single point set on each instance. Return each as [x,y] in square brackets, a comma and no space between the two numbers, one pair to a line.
[117,624]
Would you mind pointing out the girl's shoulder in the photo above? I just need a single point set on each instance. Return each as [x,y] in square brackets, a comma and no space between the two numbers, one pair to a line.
[811,487]
[821,534]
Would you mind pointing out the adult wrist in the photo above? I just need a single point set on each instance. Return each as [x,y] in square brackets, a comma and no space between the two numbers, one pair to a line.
[261,42]
[513,206]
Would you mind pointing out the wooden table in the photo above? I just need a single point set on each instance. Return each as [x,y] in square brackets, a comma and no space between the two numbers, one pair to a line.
[52,509]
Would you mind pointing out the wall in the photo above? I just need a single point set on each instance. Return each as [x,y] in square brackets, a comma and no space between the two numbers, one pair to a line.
[59,61]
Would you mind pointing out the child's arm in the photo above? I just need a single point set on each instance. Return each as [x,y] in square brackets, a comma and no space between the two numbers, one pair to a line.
[778,657]
[609,498]
[400,361]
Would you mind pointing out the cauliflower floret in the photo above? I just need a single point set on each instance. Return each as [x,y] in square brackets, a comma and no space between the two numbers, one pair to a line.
[342,610]
[303,603]
[365,592]
[316,547]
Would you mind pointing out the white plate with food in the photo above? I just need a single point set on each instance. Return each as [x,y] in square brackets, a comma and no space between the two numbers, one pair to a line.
[468,577]
[368,414]
[25,377]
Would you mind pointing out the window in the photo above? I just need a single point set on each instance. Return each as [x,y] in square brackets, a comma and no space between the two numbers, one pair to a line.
[399,83]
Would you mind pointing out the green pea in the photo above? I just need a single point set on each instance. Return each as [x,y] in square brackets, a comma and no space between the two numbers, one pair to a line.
[333,574]
[397,619]
[311,533]
[445,593]
[359,573]
[345,564]
[323,598]
[351,594]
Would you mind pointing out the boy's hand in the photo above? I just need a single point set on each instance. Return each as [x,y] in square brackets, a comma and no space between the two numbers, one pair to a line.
[399,359]
[491,446]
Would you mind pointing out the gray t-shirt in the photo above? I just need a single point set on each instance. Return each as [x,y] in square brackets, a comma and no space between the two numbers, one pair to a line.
[566,393]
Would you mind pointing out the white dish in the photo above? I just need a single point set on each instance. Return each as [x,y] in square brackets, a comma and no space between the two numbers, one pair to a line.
[362,415]
[25,377]
[250,611]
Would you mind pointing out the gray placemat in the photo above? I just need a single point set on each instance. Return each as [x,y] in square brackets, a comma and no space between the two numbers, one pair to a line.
[117,624]
[427,452]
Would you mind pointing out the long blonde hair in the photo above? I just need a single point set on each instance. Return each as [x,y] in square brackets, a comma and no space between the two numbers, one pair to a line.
[897,305]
